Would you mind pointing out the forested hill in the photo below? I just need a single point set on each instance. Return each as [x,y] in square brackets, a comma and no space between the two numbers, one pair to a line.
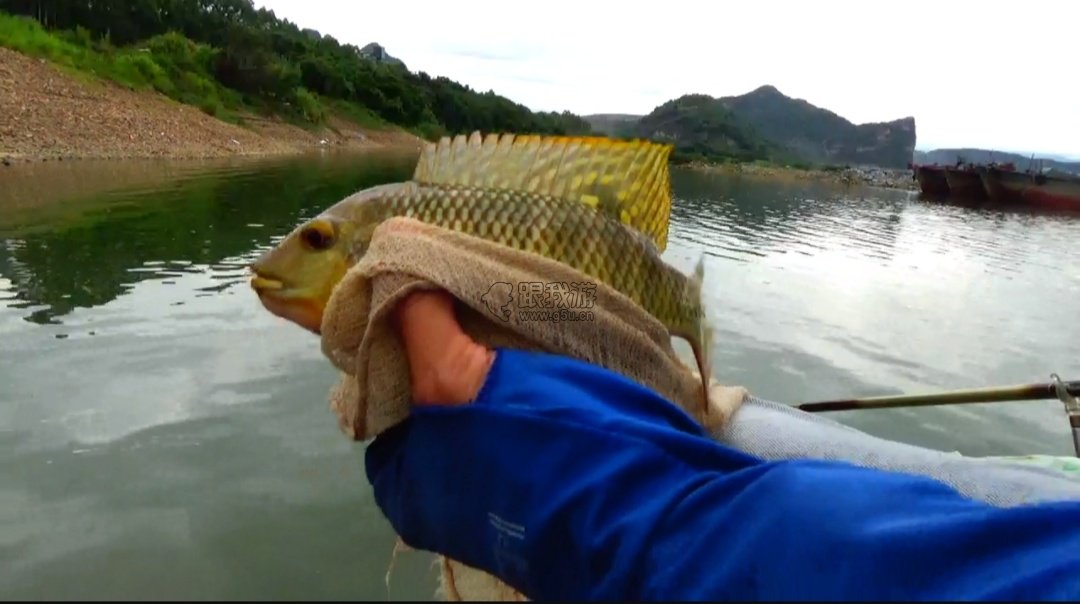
[702,129]
[819,135]
[236,54]
[764,124]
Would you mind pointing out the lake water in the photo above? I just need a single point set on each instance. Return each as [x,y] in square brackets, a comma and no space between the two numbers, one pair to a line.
[164,437]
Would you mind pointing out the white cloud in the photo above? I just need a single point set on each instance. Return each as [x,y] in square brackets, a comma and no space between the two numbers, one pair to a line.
[972,72]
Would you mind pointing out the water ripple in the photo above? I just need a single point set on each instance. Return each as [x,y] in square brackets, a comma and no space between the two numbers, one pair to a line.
[143,388]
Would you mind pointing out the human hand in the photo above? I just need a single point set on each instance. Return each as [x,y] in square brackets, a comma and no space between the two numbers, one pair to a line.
[447,367]
[553,434]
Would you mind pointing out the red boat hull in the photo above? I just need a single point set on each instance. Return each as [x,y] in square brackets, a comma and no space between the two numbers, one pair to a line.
[932,180]
[995,189]
[965,183]
[1056,192]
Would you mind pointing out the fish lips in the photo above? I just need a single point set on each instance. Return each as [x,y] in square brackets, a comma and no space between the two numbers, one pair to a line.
[262,284]
[289,304]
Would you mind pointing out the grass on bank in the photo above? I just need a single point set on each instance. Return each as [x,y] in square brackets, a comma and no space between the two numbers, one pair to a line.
[173,65]
[170,64]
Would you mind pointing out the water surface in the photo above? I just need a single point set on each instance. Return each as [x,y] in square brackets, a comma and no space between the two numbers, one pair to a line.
[162,436]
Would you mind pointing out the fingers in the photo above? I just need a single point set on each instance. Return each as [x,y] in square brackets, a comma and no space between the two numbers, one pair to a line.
[426,318]
[446,365]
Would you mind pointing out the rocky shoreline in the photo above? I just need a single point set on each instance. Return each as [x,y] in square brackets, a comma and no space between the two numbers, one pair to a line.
[47,113]
[886,178]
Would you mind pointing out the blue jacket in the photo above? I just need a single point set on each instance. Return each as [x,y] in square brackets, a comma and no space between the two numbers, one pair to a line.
[568,481]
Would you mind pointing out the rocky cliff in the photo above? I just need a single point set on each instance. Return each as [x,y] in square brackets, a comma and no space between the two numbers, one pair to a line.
[375,52]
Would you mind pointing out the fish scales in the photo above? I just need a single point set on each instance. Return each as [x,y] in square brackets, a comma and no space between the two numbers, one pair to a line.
[595,204]
[551,227]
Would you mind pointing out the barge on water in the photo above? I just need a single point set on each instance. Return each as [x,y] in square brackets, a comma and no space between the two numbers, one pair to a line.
[932,180]
[1059,192]
[965,183]
[999,183]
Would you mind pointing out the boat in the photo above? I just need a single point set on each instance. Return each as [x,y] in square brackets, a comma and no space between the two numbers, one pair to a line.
[992,177]
[1053,191]
[932,180]
[965,182]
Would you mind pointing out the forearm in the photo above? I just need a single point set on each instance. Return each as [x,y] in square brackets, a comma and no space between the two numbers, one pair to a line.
[568,482]
[804,529]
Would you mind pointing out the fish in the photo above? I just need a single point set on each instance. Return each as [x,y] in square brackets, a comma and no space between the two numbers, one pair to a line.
[597,204]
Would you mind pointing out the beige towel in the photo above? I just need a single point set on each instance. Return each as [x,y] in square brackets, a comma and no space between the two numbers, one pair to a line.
[487,279]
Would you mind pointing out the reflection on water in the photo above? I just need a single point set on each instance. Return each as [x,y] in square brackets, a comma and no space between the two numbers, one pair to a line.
[209,222]
[822,293]
[162,436]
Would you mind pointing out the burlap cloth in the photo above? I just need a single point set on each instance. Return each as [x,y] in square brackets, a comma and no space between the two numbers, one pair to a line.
[406,255]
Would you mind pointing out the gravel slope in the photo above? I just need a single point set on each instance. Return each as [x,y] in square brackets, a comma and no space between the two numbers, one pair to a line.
[47,113]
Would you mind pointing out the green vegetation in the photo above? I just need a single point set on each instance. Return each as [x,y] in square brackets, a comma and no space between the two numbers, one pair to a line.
[764,125]
[703,129]
[168,63]
[819,135]
[226,55]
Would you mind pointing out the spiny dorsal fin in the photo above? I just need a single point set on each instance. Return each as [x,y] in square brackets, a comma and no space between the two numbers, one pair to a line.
[628,180]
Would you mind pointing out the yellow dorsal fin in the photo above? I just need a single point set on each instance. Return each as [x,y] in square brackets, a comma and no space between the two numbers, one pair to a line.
[628,180]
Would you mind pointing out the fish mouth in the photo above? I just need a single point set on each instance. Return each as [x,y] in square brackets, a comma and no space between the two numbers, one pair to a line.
[262,284]
[292,304]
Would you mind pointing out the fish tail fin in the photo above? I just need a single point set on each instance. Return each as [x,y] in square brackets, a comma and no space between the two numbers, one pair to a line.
[701,342]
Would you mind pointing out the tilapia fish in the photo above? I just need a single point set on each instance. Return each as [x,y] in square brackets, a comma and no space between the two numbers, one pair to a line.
[598,205]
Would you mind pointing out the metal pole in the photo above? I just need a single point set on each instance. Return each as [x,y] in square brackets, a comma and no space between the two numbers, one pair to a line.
[1067,392]
[1027,392]
[1067,396]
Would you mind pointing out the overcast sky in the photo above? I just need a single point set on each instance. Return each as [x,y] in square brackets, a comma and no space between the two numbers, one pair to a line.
[978,73]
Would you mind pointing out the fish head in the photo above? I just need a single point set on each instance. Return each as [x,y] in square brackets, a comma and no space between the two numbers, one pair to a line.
[294,279]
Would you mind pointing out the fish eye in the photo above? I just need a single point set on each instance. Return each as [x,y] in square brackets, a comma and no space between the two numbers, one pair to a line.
[318,236]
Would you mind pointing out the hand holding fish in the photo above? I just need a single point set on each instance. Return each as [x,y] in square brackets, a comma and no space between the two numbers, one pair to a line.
[597,205]
[446,365]
[568,481]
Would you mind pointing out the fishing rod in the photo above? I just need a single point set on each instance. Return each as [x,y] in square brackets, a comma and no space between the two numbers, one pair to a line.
[1066,392]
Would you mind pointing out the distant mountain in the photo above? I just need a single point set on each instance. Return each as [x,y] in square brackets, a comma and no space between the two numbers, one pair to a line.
[701,128]
[819,135]
[765,123]
[981,156]
[1059,157]
[612,124]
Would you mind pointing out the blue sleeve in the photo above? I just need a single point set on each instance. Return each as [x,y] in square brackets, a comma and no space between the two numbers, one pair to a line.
[570,482]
